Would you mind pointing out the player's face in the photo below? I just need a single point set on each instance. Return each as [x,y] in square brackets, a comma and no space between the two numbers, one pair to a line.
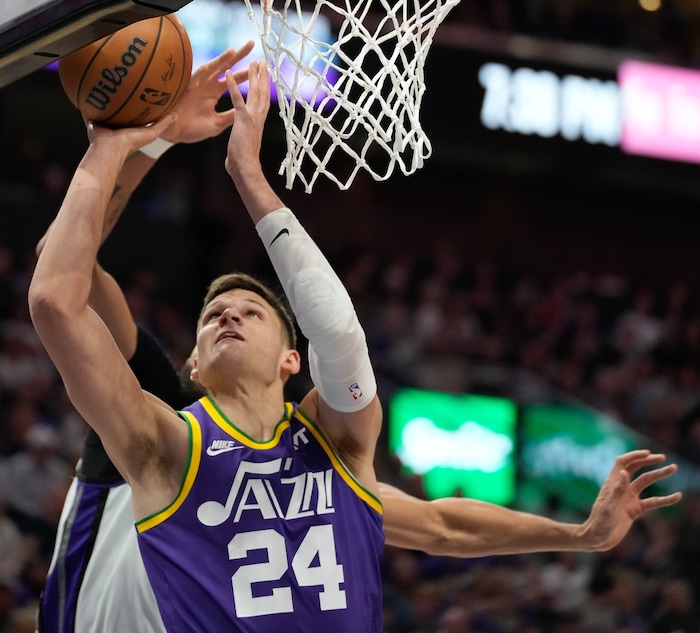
[239,326]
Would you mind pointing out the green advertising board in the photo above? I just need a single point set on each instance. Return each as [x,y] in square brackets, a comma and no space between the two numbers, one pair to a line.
[460,444]
[528,456]
[568,450]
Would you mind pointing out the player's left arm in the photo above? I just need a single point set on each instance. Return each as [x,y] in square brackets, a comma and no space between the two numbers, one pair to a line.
[469,528]
[345,399]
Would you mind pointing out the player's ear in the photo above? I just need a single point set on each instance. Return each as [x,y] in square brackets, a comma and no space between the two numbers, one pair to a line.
[291,362]
[194,372]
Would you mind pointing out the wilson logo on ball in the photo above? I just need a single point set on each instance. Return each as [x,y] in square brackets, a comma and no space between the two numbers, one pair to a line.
[133,76]
[112,78]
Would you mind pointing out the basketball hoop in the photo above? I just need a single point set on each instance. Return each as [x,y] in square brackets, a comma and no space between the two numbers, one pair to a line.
[356,96]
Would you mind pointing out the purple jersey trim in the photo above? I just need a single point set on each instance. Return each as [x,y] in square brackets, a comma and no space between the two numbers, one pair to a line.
[77,539]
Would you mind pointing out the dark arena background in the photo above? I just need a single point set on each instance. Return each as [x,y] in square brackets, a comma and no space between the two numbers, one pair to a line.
[543,265]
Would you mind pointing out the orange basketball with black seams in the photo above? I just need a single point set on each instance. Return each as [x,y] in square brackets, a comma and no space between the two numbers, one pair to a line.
[131,77]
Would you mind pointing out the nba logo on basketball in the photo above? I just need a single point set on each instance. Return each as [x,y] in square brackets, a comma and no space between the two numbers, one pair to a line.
[355,391]
[155,97]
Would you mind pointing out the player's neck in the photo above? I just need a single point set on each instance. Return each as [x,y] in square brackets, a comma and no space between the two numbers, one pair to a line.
[256,413]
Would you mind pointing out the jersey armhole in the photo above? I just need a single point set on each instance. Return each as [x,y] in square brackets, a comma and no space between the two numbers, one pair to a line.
[195,456]
[371,500]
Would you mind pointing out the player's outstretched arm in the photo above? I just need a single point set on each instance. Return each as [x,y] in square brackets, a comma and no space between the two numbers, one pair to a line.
[470,528]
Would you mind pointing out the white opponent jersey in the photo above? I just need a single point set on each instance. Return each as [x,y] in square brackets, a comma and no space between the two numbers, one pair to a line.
[97,581]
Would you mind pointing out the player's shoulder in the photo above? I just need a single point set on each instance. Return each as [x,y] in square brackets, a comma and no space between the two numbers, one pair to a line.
[309,404]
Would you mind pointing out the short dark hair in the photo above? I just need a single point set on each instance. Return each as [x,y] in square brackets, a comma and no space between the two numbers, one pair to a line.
[243,281]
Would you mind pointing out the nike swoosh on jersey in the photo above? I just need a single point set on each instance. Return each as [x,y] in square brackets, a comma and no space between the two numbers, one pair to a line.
[282,232]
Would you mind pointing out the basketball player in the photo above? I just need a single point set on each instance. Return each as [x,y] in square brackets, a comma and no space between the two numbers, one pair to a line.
[460,527]
[252,514]
[96,580]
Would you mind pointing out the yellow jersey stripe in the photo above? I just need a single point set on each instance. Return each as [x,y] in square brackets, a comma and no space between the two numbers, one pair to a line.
[345,474]
[194,459]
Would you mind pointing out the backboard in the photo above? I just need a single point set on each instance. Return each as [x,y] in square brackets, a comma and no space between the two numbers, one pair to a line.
[34,33]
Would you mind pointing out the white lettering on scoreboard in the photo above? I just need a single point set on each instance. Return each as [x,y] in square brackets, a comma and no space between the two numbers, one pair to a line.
[538,102]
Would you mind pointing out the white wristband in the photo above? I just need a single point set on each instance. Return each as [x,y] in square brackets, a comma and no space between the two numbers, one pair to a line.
[157,148]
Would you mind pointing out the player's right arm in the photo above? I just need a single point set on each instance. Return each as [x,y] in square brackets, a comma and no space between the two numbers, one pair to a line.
[146,440]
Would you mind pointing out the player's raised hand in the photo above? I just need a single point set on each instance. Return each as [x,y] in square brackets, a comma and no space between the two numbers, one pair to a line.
[243,152]
[246,136]
[620,502]
[128,139]
[198,118]
[131,138]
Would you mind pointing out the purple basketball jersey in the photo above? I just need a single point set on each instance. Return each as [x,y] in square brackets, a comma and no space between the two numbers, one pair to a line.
[272,536]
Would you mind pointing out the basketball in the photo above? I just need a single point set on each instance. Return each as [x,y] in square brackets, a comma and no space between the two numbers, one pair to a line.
[131,77]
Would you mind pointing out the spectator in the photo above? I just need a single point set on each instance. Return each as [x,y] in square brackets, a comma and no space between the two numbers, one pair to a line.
[12,556]
[30,479]
[677,612]
[565,580]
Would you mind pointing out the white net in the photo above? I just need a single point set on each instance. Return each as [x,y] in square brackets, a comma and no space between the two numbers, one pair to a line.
[357,95]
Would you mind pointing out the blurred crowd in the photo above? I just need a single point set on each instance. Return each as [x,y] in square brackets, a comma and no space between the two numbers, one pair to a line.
[631,352]
[435,322]
[667,29]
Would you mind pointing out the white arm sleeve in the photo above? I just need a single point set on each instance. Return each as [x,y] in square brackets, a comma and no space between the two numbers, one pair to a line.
[338,356]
